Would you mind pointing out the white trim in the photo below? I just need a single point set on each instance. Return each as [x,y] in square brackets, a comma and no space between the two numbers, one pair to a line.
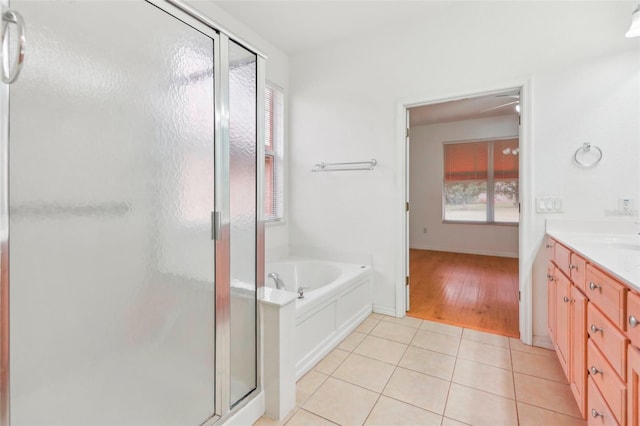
[543,342]
[386,310]
[249,413]
[526,251]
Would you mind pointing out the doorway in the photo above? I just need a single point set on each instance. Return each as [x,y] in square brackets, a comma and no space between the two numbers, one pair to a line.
[463,182]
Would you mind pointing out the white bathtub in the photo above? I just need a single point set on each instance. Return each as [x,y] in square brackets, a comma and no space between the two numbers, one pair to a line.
[337,297]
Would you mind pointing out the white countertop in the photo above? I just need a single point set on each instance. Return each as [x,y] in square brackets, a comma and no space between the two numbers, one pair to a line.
[615,247]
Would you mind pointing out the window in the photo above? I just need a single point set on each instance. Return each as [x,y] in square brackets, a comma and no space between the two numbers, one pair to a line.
[273,141]
[481,181]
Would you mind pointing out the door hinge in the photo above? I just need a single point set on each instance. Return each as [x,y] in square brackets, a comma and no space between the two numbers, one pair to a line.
[407,280]
[407,133]
[215,226]
[518,295]
[407,206]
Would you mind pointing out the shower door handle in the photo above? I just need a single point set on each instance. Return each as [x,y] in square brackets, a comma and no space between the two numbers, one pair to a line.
[10,73]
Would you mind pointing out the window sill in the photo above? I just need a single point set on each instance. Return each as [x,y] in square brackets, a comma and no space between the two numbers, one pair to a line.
[274,222]
[463,222]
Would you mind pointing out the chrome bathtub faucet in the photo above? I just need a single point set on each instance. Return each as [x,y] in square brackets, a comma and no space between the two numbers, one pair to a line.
[277,280]
[300,292]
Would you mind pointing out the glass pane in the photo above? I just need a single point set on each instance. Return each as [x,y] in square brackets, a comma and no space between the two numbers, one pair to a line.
[506,201]
[465,201]
[112,263]
[242,174]
[269,201]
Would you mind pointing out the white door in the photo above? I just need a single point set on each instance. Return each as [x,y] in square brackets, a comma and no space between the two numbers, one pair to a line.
[406,229]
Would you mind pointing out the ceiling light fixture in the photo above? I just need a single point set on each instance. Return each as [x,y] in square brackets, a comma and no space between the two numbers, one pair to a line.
[634,30]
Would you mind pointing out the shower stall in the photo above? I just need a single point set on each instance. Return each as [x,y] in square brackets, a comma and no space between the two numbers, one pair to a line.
[130,215]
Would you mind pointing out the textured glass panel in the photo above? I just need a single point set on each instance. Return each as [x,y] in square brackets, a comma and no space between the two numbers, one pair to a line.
[112,264]
[242,135]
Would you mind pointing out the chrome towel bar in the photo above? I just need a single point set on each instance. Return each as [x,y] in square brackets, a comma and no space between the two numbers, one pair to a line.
[344,167]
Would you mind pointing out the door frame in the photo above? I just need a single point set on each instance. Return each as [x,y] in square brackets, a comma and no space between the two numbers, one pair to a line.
[525,228]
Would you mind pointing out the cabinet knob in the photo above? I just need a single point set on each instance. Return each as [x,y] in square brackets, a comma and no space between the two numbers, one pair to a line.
[565,299]
[633,321]
[594,286]
[595,329]
[572,266]
[548,245]
[595,414]
[549,277]
[595,371]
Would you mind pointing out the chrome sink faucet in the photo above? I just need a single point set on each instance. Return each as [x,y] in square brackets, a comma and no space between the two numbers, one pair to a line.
[277,280]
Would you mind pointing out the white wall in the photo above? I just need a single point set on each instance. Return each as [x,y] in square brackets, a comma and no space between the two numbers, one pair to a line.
[583,77]
[277,72]
[425,185]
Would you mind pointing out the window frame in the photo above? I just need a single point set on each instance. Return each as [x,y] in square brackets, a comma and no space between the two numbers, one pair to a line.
[490,182]
[274,131]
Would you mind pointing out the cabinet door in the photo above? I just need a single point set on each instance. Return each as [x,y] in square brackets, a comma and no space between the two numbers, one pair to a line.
[633,386]
[578,368]
[563,295]
[551,302]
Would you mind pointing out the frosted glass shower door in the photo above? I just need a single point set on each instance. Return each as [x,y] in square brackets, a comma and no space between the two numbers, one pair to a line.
[111,192]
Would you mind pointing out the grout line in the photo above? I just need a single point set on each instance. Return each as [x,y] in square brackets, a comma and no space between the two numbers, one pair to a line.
[453,372]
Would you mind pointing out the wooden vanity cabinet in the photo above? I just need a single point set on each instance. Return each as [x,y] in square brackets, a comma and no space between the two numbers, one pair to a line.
[594,324]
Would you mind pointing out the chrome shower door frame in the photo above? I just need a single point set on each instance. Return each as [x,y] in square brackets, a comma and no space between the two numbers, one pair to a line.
[220,38]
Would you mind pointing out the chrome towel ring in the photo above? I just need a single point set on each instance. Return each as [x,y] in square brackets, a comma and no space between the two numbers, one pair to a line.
[587,155]
[9,73]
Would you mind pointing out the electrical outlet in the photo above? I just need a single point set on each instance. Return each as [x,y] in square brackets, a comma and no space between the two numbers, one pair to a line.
[625,205]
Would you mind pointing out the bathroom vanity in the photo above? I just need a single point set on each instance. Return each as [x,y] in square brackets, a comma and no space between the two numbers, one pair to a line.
[593,317]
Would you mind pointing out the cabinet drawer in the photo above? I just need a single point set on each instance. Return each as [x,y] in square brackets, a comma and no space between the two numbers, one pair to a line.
[608,338]
[633,310]
[578,268]
[607,294]
[611,387]
[598,414]
[549,244]
[562,257]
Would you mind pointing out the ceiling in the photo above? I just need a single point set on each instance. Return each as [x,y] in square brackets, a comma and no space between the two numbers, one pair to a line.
[295,26]
[493,105]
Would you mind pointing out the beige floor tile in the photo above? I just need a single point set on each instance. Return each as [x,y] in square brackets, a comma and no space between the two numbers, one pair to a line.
[406,321]
[418,389]
[307,385]
[544,393]
[485,354]
[480,408]
[450,422]
[442,328]
[266,421]
[366,372]
[393,331]
[331,361]
[539,366]
[352,341]
[390,412]
[517,345]
[305,418]
[373,315]
[484,377]
[341,402]
[367,325]
[488,338]
[436,342]
[428,362]
[536,416]
[381,349]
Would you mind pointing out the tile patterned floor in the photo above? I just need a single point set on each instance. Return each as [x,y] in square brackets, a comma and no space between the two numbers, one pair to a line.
[392,371]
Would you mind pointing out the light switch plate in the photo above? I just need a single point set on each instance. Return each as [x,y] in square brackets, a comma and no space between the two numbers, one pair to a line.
[549,204]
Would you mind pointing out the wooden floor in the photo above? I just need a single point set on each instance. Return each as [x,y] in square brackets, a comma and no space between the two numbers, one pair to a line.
[472,291]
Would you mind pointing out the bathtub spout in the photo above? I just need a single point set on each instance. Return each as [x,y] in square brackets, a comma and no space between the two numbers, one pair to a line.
[300,292]
[276,279]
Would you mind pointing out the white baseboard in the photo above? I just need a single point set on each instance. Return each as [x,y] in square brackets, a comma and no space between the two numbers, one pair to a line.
[385,310]
[543,342]
[468,251]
